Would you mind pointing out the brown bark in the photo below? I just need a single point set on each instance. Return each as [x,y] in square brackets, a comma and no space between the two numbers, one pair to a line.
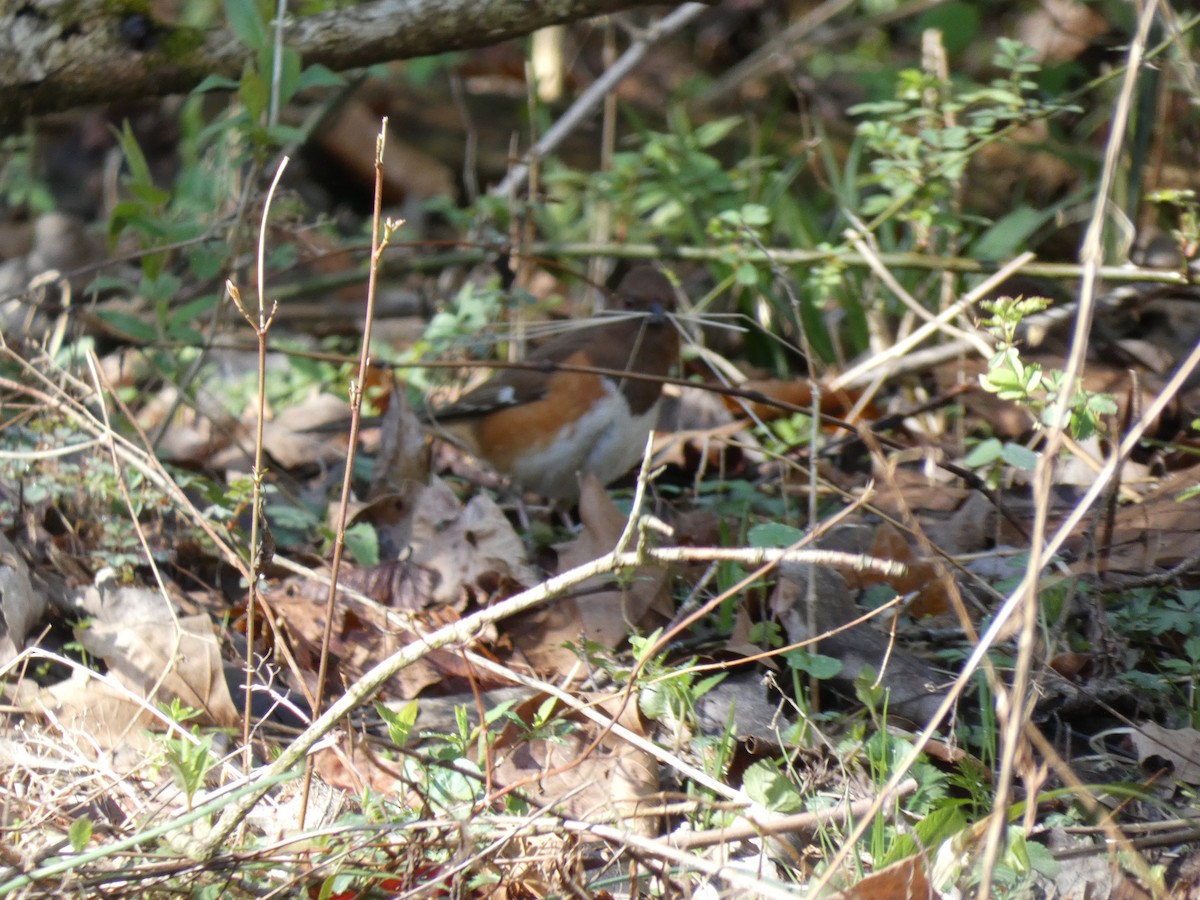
[56,54]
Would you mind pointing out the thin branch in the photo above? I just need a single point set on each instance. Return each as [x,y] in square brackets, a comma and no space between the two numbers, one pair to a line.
[591,98]
[1014,706]
[468,629]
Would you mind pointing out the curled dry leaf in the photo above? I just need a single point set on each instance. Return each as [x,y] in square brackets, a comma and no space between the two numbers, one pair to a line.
[457,554]
[903,880]
[403,455]
[352,766]
[292,439]
[110,718]
[408,173]
[1156,534]
[838,403]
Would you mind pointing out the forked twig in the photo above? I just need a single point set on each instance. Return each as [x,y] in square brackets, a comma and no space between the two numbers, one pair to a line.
[468,629]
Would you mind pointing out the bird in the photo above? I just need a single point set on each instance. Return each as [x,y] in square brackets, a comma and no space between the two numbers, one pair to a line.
[544,425]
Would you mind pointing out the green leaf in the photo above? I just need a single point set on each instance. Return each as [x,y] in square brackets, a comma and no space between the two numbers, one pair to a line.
[1192,648]
[817,665]
[704,685]
[1033,379]
[318,75]
[247,23]
[157,284]
[544,711]
[205,263]
[124,214]
[289,70]
[653,701]
[286,134]
[254,94]
[1041,860]
[765,634]
[102,284]
[766,785]
[215,83]
[151,195]
[362,542]
[958,22]
[1019,457]
[134,158]
[747,274]
[711,132]
[774,534]
[499,711]
[1188,494]
[399,722]
[755,215]
[293,518]
[80,833]
[943,822]
[129,325]
[883,109]
[984,453]
[1009,234]
[194,309]
[182,331]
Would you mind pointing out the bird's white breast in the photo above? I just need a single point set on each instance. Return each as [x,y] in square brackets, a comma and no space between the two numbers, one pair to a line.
[606,441]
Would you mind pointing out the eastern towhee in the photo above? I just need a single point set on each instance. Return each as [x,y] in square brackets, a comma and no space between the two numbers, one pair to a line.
[543,426]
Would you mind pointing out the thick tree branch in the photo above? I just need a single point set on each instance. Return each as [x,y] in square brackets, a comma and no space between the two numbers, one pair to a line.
[55,54]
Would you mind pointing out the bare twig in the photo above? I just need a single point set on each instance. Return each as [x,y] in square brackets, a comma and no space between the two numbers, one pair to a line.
[1013,706]
[468,629]
[380,236]
[898,350]
[591,98]
[1019,599]
[262,327]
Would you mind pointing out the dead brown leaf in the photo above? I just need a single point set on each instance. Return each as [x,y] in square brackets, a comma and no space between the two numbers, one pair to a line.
[349,138]
[600,611]
[1060,30]
[351,766]
[914,685]
[111,719]
[1178,746]
[147,648]
[904,880]
[290,438]
[472,548]
[930,594]
[799,393]
[1157,533]
[616,778]
[362,636]
[403,454]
